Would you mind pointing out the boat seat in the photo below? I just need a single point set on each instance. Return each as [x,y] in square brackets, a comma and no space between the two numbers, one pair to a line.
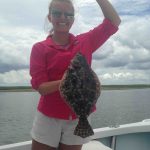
[95,145]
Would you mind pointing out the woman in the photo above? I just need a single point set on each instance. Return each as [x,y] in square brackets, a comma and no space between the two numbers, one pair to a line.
[55,122]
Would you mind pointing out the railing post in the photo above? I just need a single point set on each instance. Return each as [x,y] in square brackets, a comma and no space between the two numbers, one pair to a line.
[113,142]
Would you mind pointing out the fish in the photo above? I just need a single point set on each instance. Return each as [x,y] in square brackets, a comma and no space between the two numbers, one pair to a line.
[81,88]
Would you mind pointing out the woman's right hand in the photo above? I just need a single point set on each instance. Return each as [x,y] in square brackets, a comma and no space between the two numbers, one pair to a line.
[49,87]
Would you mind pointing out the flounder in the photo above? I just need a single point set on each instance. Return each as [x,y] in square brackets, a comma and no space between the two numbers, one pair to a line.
[80,88]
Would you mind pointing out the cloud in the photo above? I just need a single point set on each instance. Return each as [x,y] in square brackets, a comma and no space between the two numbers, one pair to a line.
[132,7]
[29,13]
[124,58]
[13,77]
[129,48]
[15,47]
[124,77]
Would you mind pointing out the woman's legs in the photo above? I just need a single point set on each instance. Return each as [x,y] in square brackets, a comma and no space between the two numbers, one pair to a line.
[69,147]
[39,146]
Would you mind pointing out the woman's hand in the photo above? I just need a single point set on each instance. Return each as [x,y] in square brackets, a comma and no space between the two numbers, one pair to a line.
[49,87]
[63,77]
[109,12]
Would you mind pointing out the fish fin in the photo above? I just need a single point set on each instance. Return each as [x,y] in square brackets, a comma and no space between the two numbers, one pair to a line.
[83,128]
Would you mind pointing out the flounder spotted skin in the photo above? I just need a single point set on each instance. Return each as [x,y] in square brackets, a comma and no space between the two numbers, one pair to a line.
[80,89]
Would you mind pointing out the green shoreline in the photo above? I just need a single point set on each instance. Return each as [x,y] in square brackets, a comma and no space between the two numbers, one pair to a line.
[104,87]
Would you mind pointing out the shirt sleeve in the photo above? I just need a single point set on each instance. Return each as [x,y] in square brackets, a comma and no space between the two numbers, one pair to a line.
[38,69]
[97,37]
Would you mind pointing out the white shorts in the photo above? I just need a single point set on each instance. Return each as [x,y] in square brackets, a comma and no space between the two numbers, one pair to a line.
[51,131]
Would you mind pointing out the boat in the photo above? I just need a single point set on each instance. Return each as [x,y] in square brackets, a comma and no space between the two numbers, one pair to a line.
[132,136]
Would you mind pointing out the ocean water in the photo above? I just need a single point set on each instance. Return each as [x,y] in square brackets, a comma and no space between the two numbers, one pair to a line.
[114,107]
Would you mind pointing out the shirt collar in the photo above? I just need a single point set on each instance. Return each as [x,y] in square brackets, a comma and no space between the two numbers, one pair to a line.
[49,42]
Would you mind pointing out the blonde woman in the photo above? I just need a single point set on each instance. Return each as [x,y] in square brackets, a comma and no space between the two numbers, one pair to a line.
[55,121]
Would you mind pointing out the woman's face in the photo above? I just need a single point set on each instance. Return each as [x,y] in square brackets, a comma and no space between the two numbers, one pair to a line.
[61,16]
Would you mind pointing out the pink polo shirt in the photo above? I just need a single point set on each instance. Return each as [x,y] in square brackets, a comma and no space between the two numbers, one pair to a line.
[48,62]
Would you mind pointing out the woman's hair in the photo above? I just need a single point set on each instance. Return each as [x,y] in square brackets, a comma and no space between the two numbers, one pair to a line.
[47,25]
[51,3]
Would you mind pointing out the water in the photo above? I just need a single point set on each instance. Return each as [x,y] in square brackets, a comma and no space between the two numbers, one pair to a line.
[121,107]
[17,110]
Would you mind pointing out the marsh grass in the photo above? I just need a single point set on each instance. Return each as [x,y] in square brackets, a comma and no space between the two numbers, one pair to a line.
[104,87]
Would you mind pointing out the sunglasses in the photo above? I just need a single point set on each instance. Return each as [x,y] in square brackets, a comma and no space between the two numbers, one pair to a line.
[57,14]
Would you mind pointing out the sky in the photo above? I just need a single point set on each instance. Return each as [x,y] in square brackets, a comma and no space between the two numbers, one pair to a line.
[123,59]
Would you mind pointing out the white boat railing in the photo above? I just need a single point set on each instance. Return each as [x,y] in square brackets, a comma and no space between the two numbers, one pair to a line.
[139,127]
[143,126]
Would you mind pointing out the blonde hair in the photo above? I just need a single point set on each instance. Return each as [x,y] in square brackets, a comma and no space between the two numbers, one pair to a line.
[51,3]
[47,26]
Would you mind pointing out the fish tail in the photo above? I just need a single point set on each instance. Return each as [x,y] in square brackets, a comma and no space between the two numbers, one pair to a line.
[83,128]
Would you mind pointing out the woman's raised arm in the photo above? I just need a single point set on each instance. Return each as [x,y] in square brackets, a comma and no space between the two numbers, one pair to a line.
[109,12]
